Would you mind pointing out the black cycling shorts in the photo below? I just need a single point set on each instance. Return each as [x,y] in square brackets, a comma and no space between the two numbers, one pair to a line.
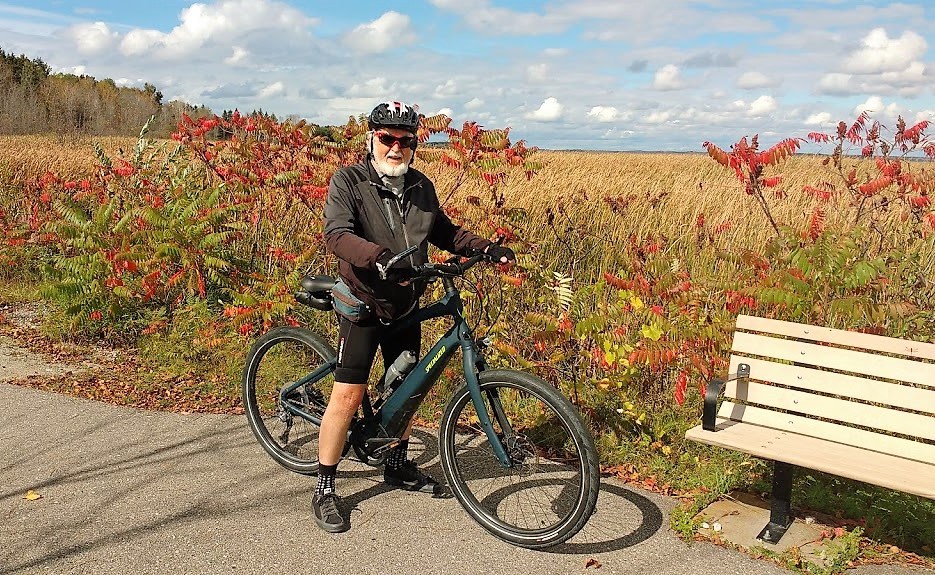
[357,347]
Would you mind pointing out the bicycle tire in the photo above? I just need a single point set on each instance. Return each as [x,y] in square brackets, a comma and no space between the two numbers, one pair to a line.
[570,503]
[282,356]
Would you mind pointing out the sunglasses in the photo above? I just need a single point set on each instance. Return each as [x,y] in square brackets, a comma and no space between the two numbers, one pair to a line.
[389,140]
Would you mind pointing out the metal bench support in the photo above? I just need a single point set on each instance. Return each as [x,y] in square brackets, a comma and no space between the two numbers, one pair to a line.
[780,508]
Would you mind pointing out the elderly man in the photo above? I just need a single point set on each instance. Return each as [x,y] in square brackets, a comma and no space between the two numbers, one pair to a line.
[374,210]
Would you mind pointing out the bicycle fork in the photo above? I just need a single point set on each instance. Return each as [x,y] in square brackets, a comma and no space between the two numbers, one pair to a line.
[471,363]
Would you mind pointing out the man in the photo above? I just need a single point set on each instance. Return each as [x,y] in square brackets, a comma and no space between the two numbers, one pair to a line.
[374,210]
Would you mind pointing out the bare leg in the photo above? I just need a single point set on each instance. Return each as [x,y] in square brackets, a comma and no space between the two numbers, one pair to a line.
[345,399]
[408,430]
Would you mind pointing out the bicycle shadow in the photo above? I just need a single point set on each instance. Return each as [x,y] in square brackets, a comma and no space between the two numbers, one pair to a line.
[602,533]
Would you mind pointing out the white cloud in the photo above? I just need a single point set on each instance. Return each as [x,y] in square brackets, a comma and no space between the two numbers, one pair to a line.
[877,108]
[271,90]
[668,77]
[913,75]
[753,81]
[762,106]
[550,111]
[879,53]
[220,23]
[238,55]
[92,38]
[390,30]
[658,117]
[484,17]
[446,111]
[374,88]
[537,72]
[138,42]
[819,119]
[446,90]
[835,83]
[604,113]
[474,104]
[555,52]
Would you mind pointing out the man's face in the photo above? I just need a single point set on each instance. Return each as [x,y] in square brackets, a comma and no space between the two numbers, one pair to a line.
[391,155]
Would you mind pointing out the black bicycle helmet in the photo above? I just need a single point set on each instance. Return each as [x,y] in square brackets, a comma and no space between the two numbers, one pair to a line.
[394,115]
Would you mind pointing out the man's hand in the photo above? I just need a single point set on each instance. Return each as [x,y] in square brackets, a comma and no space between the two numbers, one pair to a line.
[401,271]
[500,254]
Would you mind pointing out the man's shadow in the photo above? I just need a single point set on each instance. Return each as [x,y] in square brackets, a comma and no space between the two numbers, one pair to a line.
[613,526]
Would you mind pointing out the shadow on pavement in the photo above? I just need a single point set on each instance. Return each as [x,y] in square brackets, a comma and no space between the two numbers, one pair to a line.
[623,518]
[605,531]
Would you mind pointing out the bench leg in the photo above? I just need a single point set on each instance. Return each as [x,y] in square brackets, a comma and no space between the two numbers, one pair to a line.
[780,508]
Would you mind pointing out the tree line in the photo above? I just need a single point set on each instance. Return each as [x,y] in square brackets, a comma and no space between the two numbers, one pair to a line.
[34,100]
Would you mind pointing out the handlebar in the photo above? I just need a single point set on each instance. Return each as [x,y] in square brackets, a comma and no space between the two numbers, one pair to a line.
[451,268]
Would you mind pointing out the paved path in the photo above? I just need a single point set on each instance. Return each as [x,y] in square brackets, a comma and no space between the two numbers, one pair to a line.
[128,491]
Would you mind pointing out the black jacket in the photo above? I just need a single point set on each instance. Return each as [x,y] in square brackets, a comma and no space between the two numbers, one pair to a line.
[363,218]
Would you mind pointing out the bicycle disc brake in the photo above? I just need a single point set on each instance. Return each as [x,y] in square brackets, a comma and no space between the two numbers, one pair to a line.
[522,454]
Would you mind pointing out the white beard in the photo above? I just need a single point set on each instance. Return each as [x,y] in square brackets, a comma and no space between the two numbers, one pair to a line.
[386,169]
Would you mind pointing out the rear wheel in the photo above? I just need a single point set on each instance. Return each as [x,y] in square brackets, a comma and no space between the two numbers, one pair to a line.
[277,360]
[550,490]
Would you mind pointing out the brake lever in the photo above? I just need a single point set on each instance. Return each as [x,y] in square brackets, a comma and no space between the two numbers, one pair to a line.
[406,252]
[381,269]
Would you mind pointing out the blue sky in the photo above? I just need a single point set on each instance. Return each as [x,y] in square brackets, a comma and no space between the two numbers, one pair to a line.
[591,74]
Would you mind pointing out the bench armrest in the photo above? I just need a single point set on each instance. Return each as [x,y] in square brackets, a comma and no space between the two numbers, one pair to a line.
[709,416]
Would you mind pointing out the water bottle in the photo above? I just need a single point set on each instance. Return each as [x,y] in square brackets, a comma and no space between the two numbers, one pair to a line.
[396,373]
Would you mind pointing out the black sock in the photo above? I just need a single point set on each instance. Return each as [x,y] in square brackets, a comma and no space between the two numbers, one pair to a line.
[326,475]
[397,456]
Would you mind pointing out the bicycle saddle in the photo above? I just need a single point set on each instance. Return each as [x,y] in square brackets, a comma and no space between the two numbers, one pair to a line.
[316,292]
[318,284]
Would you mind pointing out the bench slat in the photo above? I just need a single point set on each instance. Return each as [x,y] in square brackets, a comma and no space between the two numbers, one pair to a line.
[878,442]
[915,398]
[843,460]
[835,358]
[881,418]
[838,336]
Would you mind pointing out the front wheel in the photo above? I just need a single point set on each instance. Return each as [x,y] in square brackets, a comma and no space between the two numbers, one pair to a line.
[279,359]
[550,489]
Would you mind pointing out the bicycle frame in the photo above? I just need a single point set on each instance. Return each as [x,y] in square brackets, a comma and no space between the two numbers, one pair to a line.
[396,412]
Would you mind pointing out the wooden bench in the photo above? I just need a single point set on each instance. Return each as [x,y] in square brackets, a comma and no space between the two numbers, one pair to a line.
[850,404]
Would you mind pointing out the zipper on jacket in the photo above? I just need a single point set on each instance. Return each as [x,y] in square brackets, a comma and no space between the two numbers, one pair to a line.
[389,217]
[402,218]
[412,261]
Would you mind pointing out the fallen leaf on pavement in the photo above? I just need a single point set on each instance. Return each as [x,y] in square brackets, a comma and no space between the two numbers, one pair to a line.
[592,562]
[31,496]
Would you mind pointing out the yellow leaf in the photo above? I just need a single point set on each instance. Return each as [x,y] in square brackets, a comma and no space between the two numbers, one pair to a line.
[31,496]
[667,449]
[636,303]
[651,331]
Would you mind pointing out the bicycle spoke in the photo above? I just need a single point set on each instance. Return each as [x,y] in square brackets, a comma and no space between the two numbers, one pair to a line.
[544,489]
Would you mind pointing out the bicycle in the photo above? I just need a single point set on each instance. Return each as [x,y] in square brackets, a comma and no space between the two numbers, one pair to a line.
[514,451]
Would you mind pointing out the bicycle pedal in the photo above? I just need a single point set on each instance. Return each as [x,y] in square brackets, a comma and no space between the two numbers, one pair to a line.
[377,445]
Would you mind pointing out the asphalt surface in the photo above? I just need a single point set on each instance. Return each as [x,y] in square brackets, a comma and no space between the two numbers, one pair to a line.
[129,491]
